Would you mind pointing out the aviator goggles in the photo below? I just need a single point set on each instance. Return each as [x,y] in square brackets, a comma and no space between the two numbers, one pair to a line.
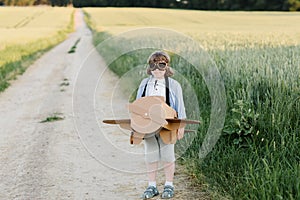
[160,65]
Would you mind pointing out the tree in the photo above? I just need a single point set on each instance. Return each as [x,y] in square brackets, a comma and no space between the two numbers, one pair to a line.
[19,2]
[59,2]
[294,5]
[41,2]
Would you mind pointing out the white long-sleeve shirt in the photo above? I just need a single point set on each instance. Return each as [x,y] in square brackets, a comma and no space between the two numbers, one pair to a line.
[175,93]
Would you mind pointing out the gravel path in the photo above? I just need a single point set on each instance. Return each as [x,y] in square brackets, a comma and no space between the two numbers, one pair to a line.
[77,157]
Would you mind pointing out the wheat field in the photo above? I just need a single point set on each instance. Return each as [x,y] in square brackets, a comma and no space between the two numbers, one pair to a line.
[21,25]
[258,57]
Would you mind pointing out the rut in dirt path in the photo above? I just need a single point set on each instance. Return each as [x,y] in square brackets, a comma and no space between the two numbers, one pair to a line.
[76,157]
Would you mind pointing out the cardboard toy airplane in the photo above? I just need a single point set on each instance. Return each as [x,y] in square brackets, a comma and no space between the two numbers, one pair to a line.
[151,114]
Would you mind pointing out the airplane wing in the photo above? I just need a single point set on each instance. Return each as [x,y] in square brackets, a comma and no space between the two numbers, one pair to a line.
[121,121]
[178,123]
[185,121]
[172,123]
[116,121]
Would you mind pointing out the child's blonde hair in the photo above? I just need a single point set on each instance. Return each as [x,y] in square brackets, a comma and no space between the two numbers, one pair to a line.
[160,56]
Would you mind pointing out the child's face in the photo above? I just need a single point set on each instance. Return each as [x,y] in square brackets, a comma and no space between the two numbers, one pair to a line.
[159,74]
[159,69]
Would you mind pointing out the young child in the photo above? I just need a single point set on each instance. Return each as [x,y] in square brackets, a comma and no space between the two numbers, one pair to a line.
[160,84]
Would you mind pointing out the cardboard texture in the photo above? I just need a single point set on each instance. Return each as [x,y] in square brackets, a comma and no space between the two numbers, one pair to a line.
[152,115]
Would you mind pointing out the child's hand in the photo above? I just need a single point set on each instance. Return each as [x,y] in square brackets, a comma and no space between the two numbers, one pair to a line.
[180,133]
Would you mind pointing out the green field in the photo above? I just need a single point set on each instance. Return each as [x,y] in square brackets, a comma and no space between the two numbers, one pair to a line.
[258,57]
[26,32]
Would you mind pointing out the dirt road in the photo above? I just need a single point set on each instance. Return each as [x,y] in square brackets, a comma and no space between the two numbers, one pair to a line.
[76,157]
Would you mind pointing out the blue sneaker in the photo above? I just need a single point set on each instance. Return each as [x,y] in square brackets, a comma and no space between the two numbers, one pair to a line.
[150,192]
[168,192]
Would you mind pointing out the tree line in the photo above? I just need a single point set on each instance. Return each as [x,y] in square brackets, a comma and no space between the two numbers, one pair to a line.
[266,5]
[35,2]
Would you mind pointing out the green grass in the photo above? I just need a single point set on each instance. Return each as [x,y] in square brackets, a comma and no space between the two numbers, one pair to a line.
[73,48]
[53,117]
[258,56]
[27,34]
